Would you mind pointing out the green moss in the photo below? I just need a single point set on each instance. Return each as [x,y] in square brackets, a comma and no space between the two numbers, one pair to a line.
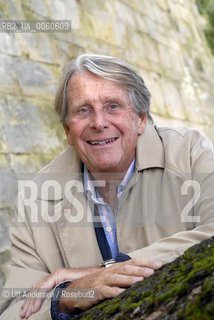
[183,289]
[112,309]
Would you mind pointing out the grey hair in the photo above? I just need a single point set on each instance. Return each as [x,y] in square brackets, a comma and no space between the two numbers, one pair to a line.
[110,68]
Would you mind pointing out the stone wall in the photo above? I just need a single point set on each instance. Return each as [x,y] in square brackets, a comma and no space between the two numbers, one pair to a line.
[163,39]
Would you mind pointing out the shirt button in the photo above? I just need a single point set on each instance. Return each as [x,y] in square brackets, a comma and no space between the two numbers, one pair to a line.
[108,229]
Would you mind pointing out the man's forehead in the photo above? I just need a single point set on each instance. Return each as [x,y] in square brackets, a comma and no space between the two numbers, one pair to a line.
[85,87]
[84,77]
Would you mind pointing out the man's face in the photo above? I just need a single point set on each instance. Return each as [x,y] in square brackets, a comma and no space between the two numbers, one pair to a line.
[102,125]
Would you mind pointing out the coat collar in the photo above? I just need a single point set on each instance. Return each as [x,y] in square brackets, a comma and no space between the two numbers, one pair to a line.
[150,151]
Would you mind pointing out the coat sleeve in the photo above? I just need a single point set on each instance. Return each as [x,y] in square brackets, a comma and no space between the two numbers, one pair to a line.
[25,269]
[201,214]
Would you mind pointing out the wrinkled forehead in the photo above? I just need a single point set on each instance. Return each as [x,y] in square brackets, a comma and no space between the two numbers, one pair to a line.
[85,85]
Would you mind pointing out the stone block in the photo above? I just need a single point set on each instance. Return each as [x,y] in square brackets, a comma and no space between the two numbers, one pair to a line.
[140,23]
[14,9]
[185,33]
[161,16]
[150,47]
[177,63]
[136,43]
[39,7]
[192,96]
[163,4]
[23,137]
[7,72]
[173,100]
[4,236]
[4,259]
[165,58]
[38,46]
[3,142]
[152,27]
[174,8]
[8,187]
[9,44]
[98,26]
[65,10]
[146,7]
[26,164]
[157,99]
[26,129]
[120,33]
[124,13]
[30,73]
[16,72]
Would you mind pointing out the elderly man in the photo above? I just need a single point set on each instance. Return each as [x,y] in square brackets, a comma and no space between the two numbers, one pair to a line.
[129,191]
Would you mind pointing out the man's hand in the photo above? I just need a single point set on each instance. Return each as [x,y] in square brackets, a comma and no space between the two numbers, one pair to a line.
[58,276]
[108,282]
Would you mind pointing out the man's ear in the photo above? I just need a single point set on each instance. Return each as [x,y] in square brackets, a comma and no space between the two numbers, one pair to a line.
[66,128]
[142,123]
[67,132]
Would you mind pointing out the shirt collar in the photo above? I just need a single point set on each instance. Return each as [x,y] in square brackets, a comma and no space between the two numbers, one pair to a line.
[92,193]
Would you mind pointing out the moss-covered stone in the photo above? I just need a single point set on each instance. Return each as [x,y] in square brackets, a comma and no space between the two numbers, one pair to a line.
[182,289]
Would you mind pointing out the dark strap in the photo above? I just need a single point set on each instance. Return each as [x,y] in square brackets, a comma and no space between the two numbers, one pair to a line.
[101,237]
[102,241]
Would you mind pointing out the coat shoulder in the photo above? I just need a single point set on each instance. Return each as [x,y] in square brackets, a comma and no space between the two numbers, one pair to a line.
[184,147]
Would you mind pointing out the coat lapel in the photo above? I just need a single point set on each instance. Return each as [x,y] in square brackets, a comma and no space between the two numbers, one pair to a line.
[78,237]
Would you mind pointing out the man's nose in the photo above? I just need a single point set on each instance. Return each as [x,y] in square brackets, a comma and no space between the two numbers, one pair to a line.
[99,120]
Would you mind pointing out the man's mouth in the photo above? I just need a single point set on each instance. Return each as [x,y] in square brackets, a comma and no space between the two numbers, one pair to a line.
[103,142]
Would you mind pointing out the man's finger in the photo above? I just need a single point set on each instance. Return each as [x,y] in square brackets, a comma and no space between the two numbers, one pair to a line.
[110,292]
[140,262]
[119,280]
[132,270]
[30,306]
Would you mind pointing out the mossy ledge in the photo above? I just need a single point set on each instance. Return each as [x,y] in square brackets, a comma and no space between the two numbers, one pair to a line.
[182,289]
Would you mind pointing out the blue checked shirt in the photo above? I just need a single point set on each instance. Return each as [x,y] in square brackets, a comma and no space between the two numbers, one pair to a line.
[105,212]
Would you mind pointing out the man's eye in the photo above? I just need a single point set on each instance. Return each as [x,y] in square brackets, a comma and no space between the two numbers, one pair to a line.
[113,106]
[83,110]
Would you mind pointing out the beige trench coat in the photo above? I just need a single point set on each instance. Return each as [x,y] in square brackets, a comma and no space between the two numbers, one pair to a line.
[167,206]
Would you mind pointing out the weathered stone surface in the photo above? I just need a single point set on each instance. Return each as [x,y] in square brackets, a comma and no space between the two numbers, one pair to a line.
[7,74]
[4,223]
[9,44]
[4,258]
[38,46]
[65,10]
[182,289]
[124,13]
[173,100]
[163,39]
[8,187]
[29,127]
[39,7]
[31,73]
